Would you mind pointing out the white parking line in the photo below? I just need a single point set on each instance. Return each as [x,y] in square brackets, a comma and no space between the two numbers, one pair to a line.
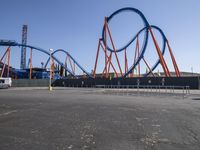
[9,112]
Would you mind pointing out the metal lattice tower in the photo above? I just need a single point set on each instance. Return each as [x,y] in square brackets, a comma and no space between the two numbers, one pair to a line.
[23,50]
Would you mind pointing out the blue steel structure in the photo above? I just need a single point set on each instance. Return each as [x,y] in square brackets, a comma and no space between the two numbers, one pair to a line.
[68,54]
[144,49]
[13,43]
[145,29]
[146,24]
[23,48]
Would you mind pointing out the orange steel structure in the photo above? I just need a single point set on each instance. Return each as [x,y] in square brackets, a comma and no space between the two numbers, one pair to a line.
[111,55]
[109,59]
[6,57]
[30,65]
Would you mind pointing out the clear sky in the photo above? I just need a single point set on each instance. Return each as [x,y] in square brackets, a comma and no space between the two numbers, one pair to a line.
[76,26]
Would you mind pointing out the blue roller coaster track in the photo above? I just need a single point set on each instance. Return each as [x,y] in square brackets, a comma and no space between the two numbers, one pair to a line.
[145,41]
[13,43]
[144,30]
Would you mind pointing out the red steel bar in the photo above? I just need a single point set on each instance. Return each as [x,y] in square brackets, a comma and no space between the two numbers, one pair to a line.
[30,67]
[105,36]
[6,50]
[97,56]
[110,61]
[106,26]
[148,66]
[163,63]
[138,49]
[173,60]
[125,61]
[8,70]
[2,72]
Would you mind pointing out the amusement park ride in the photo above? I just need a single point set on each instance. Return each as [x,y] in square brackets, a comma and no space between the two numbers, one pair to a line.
[110,54]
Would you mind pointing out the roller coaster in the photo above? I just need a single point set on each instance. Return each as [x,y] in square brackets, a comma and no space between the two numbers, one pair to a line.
[6,56]
[139,53]
[109,54]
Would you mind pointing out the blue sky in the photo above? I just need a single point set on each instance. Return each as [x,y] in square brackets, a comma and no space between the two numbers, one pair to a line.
[76,26]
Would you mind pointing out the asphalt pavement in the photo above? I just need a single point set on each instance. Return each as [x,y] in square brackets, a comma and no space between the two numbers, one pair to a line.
[96,119]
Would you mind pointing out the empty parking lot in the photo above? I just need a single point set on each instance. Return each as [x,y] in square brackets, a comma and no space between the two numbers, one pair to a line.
[77,118]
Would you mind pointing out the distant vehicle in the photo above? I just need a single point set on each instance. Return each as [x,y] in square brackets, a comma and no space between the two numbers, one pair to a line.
[5,82]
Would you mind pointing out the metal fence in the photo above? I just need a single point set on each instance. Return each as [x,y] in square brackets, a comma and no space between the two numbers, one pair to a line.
[146,90]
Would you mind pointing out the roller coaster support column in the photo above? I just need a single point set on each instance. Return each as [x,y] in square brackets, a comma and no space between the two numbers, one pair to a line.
[106,70]
[173,60]
[109,59]
[97,55]
[7,54]
[162,61]
[107,66]
[125,62]
[30,67]
[50,87]
[8,70]
[138,50]
[148,67]
[2,72]
[109,62]
[106,27]
[137,55]
[135,58]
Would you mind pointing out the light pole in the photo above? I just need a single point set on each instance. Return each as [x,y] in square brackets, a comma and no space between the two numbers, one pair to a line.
[50,75]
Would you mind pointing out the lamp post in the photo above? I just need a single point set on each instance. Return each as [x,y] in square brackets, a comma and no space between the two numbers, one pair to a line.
[50,75]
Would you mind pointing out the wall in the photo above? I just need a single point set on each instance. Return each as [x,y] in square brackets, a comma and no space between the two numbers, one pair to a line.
[30,83]
[192,82]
